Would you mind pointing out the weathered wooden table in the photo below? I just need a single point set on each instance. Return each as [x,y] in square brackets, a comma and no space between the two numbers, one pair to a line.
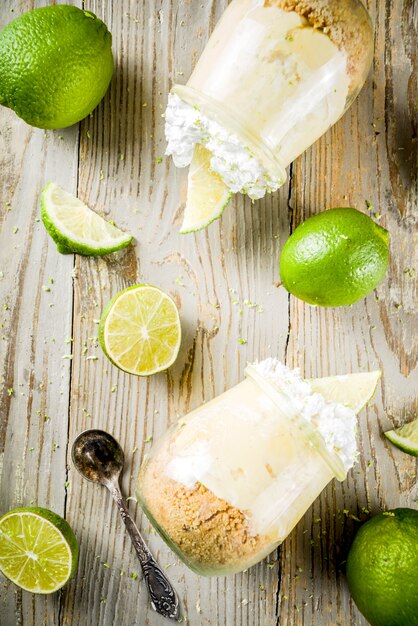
[223,281]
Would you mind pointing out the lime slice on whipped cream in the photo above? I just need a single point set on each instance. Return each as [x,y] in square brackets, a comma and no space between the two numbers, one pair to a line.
[207,194]
[352,390]
[76,228]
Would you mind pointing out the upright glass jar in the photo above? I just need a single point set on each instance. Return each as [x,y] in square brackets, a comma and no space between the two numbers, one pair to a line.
[228,482]
[279,73]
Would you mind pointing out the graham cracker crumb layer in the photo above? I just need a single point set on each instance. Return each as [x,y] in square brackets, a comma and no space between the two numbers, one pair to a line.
[212,534]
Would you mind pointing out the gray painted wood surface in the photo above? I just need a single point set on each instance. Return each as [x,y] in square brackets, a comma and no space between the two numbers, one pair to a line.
[112,162]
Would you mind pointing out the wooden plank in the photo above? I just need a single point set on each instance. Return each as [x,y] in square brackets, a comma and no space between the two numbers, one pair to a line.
[36,318]
[370,155]
[210,275]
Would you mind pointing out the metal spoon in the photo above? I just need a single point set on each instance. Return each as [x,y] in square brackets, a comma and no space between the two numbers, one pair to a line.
[99,458]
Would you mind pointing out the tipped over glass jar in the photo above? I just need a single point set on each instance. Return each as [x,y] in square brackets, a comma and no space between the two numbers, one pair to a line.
[275,75]
[229,481]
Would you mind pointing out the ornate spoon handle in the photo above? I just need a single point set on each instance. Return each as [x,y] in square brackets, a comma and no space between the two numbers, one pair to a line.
[164,599]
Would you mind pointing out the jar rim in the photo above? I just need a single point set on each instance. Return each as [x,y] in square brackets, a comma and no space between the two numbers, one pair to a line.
[284,402]
[231,121]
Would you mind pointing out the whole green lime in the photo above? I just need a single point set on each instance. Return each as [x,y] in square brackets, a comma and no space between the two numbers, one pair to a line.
[382,568]
[55,65]
[335,258]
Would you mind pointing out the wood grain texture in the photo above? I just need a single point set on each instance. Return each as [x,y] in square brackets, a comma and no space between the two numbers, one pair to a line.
[35,319]
[112,162]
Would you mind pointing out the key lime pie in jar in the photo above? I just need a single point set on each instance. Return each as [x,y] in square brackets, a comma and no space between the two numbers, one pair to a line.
[274,76]
[228,482]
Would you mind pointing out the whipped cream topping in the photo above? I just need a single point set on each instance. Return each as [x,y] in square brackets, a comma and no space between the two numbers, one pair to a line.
[240,169]
[336,423]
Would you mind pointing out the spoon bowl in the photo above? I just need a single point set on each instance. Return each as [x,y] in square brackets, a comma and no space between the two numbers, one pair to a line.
[98,456]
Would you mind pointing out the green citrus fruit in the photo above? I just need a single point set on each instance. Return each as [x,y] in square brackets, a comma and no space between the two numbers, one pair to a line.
[207,194]
[38,549]
[55,65]
[140,330]
[382,568]
[76,228]
[335,258]
[405,438]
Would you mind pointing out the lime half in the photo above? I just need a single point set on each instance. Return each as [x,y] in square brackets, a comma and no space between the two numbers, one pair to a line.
[405,438]
[38,549]
[140,331]
[207,194]
[76,228]
[352,390]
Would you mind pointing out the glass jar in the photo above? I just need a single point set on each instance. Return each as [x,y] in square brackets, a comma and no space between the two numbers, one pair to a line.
[229,481]
[280,73]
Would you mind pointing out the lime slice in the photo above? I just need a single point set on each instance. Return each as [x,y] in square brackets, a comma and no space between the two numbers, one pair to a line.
[352,390]
[140,331]
[76,228]
[38,549]
[207,194]
[405,438]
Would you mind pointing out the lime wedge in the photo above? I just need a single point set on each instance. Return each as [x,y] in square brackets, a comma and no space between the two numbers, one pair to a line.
[38,549]
[140,331]
[207,194]
[352,390]
[76,228]
[405,438]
